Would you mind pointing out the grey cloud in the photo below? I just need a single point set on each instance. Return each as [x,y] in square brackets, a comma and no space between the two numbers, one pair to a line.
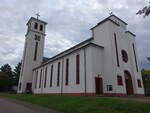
[69,22]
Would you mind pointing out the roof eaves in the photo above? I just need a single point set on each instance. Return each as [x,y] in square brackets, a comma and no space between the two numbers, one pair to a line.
[61,54]
[32,18]
[131,33]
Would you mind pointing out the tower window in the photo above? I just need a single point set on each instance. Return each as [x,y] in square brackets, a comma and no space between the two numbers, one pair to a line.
[77,69]
[124,56]
[67,71]
[35,25]
[35,52]
[41,27]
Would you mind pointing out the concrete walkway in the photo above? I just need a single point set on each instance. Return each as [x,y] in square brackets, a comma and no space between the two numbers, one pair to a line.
[13,106]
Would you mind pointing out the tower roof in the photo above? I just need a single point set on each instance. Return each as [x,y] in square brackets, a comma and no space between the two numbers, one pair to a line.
[32,18]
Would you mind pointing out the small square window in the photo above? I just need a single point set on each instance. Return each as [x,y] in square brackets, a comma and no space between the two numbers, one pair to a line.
[109,87]
[35,25]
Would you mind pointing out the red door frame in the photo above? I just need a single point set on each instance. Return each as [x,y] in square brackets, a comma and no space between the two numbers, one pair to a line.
[98,85]
[128,83]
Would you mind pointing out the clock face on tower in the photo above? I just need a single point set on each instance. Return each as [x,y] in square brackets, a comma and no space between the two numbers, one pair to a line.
[37,37]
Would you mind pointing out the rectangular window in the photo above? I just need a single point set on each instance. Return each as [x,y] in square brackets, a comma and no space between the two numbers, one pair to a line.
[36,77]
[35,52]
[77,69]
[67,71]
[51,78]
[35,25]
[109,87]
[45,77]
[58,74]
[41,27]
[135,57]
[116,46]
[119,80]
[139,83]
[40,79]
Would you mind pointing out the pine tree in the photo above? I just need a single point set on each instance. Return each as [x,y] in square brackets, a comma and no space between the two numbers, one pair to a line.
[16,73]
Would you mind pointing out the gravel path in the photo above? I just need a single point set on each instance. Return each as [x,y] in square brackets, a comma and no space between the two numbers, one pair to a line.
[13,106]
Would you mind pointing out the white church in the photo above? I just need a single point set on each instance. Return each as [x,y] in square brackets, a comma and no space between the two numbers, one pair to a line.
[105,64]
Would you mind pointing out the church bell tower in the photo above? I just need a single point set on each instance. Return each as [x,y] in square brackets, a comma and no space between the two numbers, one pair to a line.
[33,53]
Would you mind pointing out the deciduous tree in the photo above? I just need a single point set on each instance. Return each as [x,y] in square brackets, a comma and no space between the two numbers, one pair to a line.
[145,10]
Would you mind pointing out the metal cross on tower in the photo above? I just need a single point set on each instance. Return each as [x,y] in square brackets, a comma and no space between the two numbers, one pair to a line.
[38,15]
[111,13]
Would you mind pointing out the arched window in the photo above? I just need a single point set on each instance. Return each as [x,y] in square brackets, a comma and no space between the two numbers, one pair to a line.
[124,56]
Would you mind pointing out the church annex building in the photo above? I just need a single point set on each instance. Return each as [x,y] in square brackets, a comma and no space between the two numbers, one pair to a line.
[105,64]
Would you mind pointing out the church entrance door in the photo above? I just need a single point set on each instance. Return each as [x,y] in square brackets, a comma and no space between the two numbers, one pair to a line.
[128,83]
[29,88]
[99,86]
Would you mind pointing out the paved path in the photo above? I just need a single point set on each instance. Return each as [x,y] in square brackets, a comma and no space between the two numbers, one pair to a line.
[13,106]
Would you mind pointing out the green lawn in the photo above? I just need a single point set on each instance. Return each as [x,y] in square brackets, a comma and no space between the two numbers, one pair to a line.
[74,104]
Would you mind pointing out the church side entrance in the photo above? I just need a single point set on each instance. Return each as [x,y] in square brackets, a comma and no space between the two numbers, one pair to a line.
[128,83]
[29,87]
[98,86]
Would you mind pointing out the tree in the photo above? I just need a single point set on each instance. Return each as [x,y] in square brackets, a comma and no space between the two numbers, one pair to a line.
[4,81]
[146,81]
[148,58]
[16,73]
[145,11]
[7,69]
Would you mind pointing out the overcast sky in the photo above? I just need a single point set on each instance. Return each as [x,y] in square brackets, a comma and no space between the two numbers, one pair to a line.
[69,22]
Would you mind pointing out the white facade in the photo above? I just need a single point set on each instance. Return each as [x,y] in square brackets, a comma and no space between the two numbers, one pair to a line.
[107,64]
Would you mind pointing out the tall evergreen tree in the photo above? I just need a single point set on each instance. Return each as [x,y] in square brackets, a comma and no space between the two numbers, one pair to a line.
[16,73]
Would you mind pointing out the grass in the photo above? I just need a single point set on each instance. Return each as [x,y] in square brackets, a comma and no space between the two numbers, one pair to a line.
[74,104]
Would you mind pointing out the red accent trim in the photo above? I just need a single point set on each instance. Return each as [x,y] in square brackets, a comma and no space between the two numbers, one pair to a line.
[140,95]
[70,94]
[115,94]
[88,94]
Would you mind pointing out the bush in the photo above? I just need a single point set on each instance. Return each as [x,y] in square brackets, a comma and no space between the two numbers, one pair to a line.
[4,82]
